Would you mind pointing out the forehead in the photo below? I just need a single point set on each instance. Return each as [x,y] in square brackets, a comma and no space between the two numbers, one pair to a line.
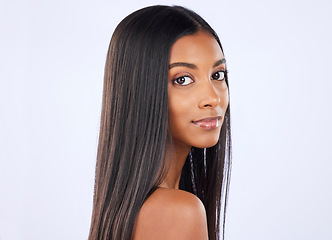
[200,46]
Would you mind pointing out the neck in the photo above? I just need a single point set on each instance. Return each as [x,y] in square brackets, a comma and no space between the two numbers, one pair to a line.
[175,159]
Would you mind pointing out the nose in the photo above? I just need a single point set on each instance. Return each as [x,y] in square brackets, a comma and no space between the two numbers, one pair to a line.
[208,96]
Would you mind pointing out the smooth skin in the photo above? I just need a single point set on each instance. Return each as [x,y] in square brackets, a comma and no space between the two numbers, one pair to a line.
[196,90]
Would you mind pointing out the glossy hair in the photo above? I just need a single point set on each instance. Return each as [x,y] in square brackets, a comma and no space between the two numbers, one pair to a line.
[134,122]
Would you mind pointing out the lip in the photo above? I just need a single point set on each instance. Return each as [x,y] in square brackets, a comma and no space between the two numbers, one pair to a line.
[208,123]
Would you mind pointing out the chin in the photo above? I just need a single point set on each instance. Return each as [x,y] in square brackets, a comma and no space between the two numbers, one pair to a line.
[206,144]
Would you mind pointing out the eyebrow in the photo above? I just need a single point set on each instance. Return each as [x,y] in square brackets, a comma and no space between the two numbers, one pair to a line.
[219,62]
[193,66]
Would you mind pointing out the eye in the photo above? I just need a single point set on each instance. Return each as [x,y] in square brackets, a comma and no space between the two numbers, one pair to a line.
[183,81]
[220,75]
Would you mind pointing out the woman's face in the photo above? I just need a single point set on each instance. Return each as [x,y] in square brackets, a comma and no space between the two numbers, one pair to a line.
[197,90]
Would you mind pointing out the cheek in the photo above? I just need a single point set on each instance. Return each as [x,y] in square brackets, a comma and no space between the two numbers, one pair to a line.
[181,107]
[177,110]
[224,97]
[180,103]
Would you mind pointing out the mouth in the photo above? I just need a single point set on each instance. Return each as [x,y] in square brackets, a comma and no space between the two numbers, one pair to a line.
[208,123]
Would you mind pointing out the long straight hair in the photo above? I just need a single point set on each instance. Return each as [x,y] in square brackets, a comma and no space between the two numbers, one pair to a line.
[133,128]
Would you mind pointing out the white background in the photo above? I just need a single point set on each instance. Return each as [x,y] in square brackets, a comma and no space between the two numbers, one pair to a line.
[52,56]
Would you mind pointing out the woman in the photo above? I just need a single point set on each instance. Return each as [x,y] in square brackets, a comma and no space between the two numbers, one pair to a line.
[163,162]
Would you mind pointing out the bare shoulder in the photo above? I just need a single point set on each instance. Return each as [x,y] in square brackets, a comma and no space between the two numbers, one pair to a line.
[171,214]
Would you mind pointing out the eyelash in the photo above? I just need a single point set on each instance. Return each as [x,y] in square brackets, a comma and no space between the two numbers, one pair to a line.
[224,72]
